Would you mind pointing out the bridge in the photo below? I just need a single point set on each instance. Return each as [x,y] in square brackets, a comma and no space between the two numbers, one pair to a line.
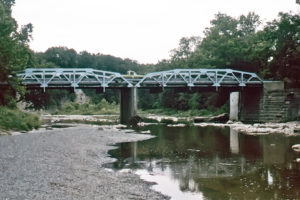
[178,78]
[90,78]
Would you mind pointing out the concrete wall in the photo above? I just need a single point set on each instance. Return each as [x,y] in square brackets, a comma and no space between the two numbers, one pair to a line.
[272,103]
[128,106]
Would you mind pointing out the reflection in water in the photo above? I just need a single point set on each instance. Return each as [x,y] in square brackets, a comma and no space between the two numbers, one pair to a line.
[234,141]
[214,163]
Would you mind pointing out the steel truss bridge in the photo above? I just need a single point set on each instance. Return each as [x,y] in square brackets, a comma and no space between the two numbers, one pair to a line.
[90,78]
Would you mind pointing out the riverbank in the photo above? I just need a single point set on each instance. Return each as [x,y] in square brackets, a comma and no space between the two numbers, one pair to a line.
[14,119]
[67,163]
[287,128]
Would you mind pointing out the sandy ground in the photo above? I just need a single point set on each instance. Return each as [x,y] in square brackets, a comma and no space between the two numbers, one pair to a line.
[67,164]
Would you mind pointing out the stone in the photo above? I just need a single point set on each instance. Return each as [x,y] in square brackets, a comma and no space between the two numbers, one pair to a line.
[200,119]
[219,118]
[296,147]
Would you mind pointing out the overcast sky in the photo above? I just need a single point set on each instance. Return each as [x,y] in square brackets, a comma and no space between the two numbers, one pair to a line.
[142,30]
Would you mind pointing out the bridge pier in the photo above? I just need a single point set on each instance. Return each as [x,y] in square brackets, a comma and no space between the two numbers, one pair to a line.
[234,106]
[128,106]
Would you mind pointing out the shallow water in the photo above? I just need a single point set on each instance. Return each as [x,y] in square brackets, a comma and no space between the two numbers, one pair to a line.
[213,163]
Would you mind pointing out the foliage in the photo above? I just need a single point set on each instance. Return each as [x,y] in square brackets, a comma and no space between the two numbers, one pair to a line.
[50,99]
[13,119]
[283,33]
[101,108]
[110,95]
[15,54]
[68,58]
[190,102]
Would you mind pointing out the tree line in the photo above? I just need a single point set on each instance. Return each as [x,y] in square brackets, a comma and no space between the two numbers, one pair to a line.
[272,50]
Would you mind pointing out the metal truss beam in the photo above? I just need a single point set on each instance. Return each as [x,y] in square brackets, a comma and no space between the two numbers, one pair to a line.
[72,77]
[87,77]
[199,78]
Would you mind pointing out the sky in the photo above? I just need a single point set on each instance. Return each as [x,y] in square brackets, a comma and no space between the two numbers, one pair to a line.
[142,30]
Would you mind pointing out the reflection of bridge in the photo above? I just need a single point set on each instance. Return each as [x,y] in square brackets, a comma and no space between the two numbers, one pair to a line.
[178,78]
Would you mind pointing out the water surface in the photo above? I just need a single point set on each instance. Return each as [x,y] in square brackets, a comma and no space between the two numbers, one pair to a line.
[213,163]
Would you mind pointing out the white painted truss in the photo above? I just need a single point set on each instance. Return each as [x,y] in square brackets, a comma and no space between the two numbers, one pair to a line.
[87,77]
[72,77]
[199,78]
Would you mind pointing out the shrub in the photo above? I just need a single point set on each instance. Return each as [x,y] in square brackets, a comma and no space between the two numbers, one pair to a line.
[13,119]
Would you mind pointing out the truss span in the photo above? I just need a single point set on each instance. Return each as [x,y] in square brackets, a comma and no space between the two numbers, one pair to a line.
[72,77]
[90,78]
[199,78]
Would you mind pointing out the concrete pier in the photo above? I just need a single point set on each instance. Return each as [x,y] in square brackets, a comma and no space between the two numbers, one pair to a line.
[128,106]
[234,106]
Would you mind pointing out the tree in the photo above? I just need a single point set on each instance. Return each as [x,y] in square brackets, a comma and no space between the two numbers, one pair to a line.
[181,55]
[61,56]
[227,43]
[15,54]
[283,34]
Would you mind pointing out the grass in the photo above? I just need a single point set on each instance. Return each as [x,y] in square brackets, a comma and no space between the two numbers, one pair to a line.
[14,119]
[102,108]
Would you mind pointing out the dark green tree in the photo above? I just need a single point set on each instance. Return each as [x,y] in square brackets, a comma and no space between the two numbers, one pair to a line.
[15,54]
[62,56]
[284,59]
[227,43]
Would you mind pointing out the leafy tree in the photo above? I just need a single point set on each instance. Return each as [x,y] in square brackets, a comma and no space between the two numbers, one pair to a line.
[50,99]
[284,59]
[227,43]
[61,56]
[15,54]
[181,55]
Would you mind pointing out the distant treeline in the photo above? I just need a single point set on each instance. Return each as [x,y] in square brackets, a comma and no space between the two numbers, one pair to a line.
[272,50]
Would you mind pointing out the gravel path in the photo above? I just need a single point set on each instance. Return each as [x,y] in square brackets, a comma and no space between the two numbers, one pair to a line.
[66,164]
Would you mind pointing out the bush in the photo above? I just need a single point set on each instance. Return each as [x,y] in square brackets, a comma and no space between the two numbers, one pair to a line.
[13,119]
[101,108]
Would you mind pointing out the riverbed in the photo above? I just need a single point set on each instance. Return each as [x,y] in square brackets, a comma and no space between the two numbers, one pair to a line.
[66,163]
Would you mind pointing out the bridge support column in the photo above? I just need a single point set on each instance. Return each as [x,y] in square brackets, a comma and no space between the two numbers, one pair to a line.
[234,106]
[128,107]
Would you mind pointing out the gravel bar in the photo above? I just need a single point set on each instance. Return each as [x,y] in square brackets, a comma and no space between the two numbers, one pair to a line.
[67,164]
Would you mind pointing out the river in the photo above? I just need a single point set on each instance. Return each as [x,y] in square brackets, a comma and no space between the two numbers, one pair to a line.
[213,163]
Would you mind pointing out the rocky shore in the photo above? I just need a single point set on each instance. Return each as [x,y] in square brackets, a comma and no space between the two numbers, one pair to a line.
[288,128]
[67,163]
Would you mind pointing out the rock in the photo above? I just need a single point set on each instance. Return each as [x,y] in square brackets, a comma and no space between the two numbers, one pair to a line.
[176,125]
[200,119]
[219,118]
[146,132]
[135,120]
[296,147]
[297,129]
